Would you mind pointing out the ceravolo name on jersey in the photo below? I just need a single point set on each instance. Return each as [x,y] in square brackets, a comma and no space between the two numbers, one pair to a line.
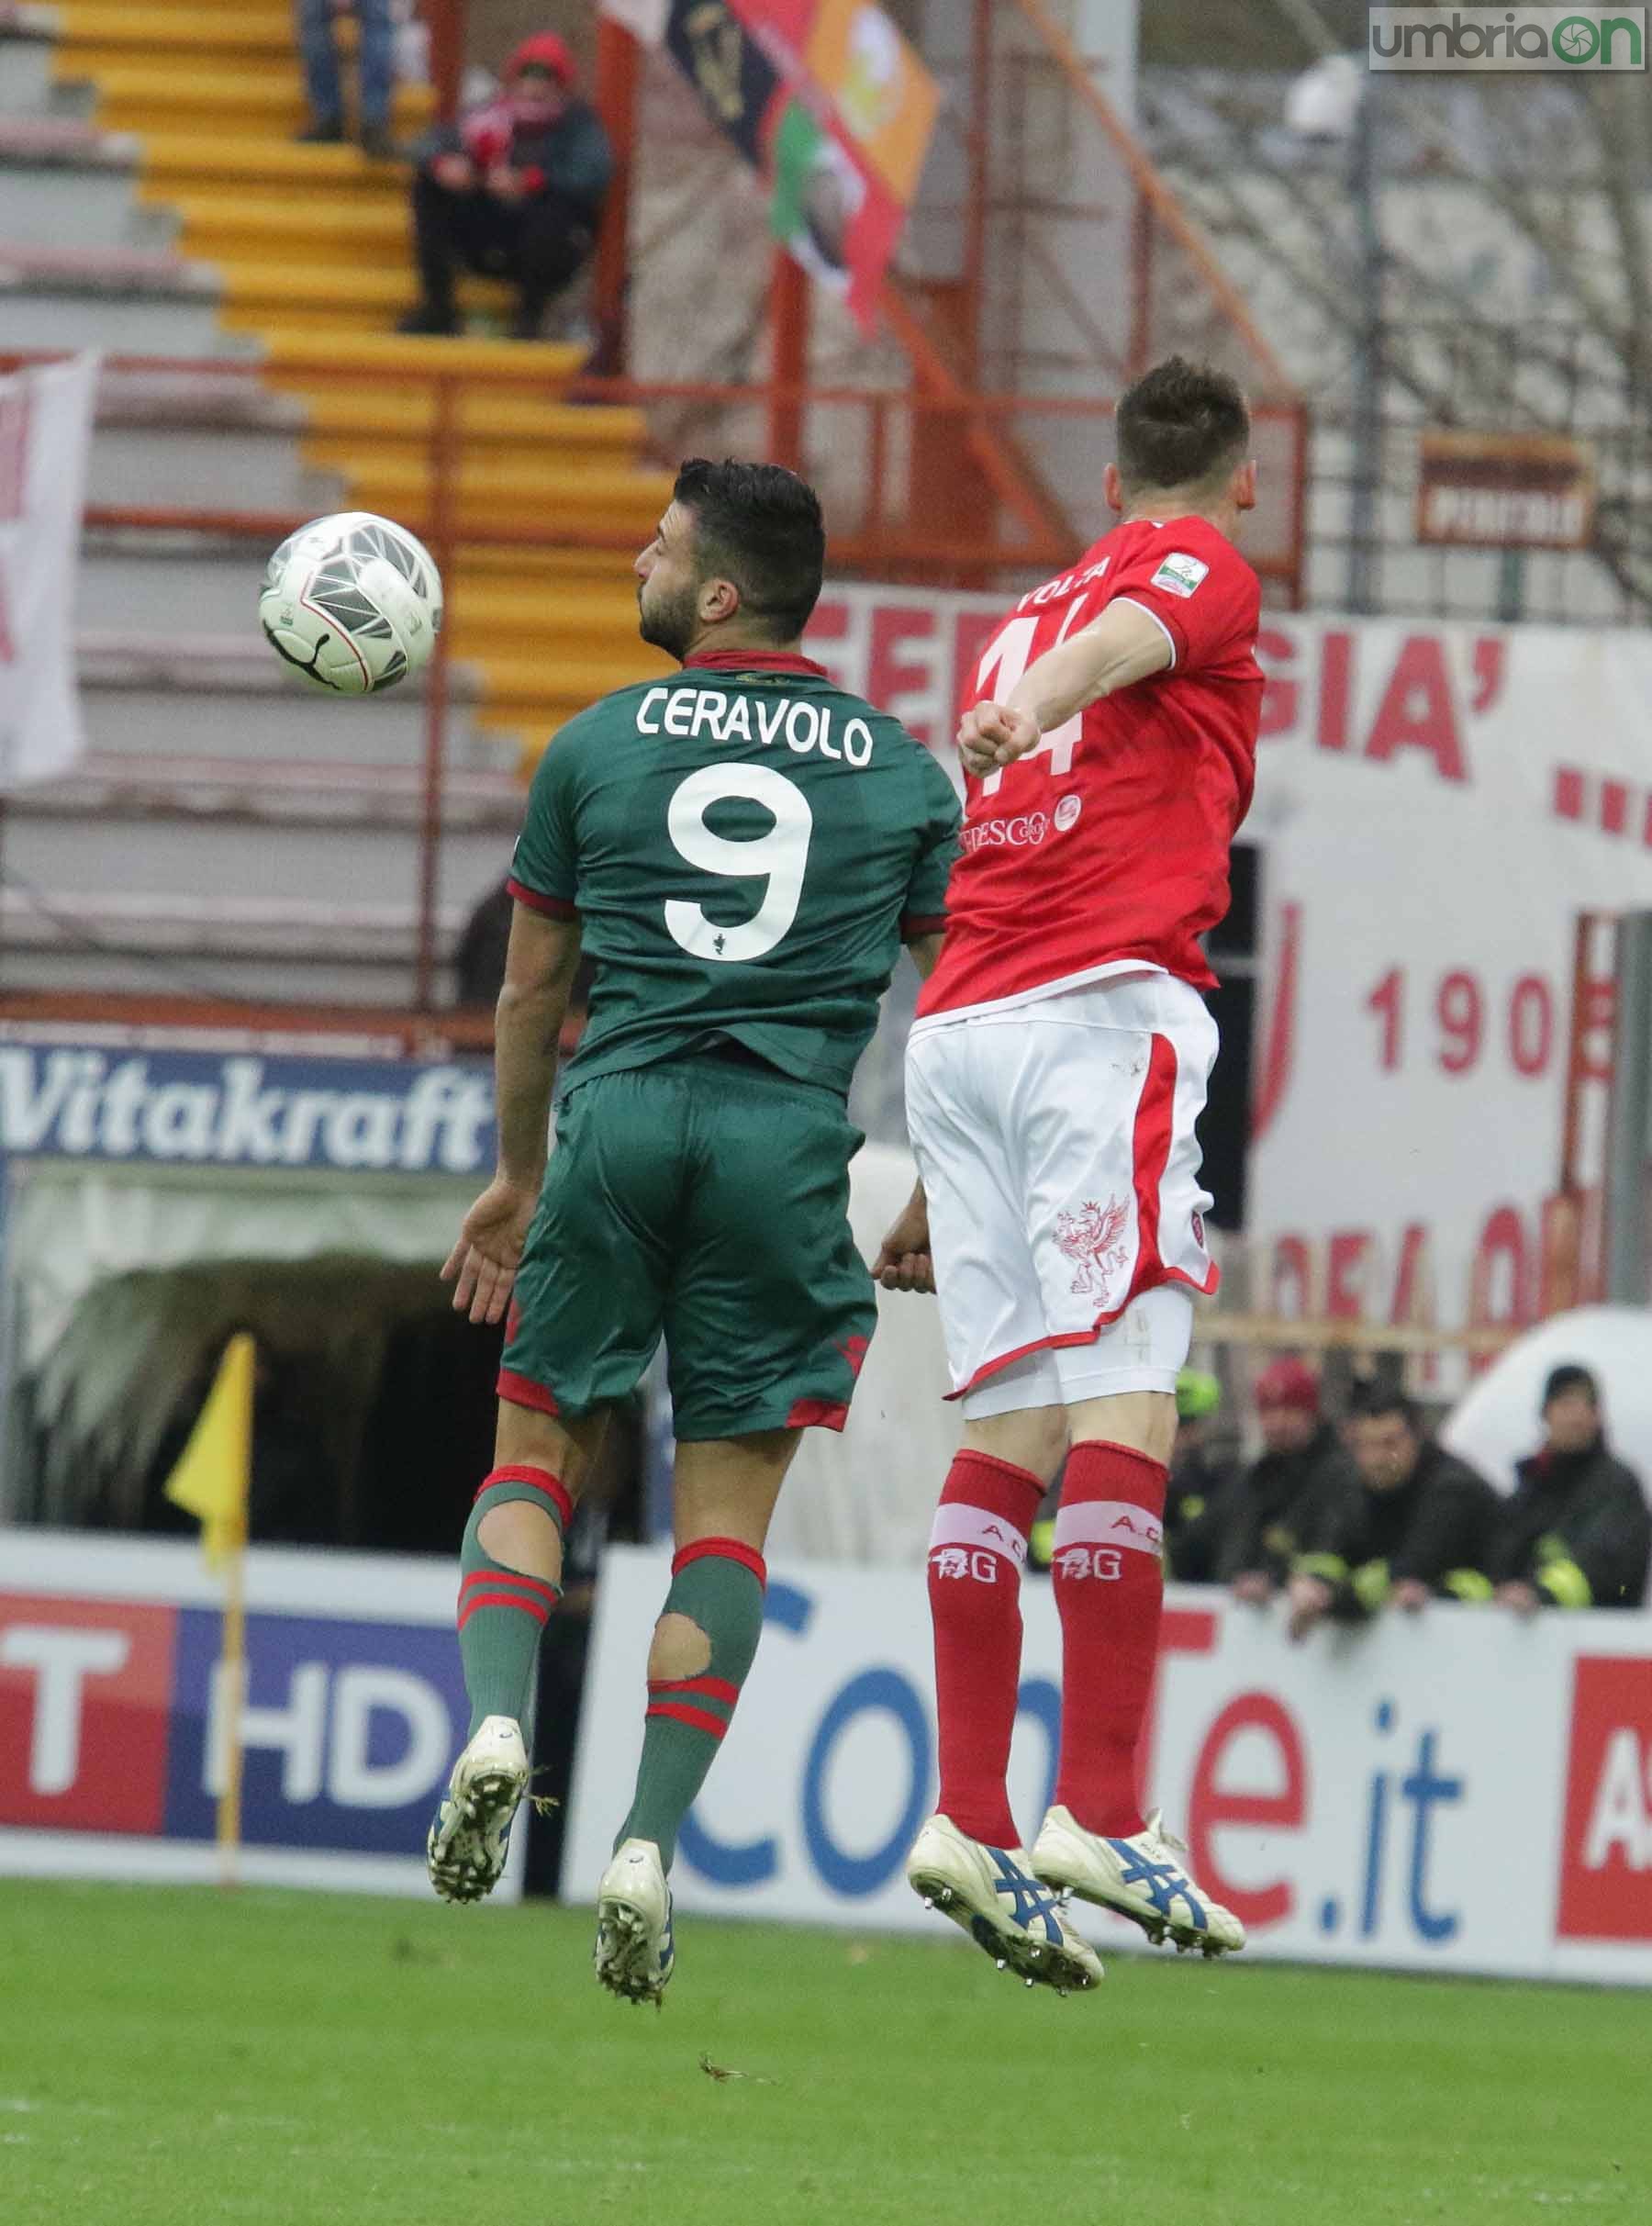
[792,723]
[1180,575]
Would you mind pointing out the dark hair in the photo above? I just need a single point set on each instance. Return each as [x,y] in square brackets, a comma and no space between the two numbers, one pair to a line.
[1180,425]
[758,525]
[1375,1402]
[1571,1376]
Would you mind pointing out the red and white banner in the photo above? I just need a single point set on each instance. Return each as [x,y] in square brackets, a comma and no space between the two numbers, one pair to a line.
[1462,1792]
[1436,804]
[45,440]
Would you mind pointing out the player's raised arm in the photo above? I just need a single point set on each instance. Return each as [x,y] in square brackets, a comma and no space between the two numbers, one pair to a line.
[1126,643]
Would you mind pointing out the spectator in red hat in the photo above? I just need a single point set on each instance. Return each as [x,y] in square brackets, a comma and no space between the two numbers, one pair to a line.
[516,188]
[1286,1494]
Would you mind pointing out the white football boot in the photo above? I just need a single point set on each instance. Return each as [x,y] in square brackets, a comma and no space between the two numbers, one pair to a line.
[1139,1877]
[635,1954]
[992,1894]
[466,1850]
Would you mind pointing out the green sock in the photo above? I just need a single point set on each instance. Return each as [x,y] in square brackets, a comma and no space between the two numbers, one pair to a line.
[718,1584]
[502,1610]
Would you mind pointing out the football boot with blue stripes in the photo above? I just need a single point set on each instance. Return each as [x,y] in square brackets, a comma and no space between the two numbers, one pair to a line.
[635,1954]
[1138,1876]
[992,1894]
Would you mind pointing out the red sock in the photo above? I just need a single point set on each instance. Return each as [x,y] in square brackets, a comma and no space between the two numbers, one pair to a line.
[977,1549]
[1109,1588]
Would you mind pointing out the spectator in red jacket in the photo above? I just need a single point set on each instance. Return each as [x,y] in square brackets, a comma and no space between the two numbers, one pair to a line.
[515,188]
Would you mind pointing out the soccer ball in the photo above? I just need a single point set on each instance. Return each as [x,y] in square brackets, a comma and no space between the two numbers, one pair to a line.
[354,602]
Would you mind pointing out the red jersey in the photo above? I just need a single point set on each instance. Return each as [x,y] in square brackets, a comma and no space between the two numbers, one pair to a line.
[1106,847]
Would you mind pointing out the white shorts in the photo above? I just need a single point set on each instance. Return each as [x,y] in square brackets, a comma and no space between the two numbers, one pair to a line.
[1056,1145]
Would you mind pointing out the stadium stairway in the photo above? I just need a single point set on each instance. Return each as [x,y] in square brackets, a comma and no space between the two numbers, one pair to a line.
[229,831]
[300,254]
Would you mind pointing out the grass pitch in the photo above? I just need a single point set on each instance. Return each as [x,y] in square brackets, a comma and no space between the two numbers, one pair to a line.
[177,2058]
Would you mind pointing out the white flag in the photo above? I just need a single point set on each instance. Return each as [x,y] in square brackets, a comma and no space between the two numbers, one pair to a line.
[645,19]
[45,439]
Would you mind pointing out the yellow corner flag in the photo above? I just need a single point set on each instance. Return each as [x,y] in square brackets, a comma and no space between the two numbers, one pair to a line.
[212,1476]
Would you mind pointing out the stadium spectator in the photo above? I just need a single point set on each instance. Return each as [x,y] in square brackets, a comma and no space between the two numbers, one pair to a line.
[375,66]
[1577,1532]
[1419,1527]
[515,188]
[1283,1497]
[1203,1471]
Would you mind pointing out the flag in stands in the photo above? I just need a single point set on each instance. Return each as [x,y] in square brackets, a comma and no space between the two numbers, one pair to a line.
[45,438]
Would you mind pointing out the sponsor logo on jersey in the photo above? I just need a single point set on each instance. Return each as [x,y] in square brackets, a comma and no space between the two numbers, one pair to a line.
[1066,813]
[1023,832]
[1180,575]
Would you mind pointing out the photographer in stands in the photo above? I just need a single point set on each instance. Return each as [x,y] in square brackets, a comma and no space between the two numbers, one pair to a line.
[516,188]
[1419,1527]
[1577,1532]
[1286,1496]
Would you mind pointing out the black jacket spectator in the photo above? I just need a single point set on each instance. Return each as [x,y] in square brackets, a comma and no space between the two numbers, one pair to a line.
[1578,1529]
[1202,1470]
[1435,1528]
[1202,1481]
[515,187]
[1279,1503]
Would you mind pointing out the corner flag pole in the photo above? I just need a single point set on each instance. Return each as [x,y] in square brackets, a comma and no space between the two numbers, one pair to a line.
[212,1480]
[232,1701]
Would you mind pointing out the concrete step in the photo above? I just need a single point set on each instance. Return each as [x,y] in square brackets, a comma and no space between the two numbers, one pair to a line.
[205,162]
[128,853]
[127,302]
[25,40]
[190,33]
[543,369]
[562,675]
[282,796]
[261,98]
[228,695]
[371,292]
[137,584]
[64,940]
[494,616]
[62,180]
[172,444]
[243,224]
[608,500]
[487,419]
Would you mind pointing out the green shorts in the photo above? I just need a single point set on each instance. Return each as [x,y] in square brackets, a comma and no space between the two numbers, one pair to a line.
[706,1200]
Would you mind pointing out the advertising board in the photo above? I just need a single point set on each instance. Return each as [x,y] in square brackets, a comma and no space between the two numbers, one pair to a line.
[1461,1792]
[111,1724]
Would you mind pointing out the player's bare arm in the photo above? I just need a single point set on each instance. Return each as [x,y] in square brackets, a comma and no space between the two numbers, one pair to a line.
[903,1261]
[539,976]
[1125,644]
